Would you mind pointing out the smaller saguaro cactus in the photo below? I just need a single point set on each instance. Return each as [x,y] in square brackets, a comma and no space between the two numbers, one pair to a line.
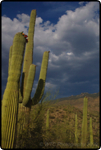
[84,123]
[91,132]
[76,130]
[47,120]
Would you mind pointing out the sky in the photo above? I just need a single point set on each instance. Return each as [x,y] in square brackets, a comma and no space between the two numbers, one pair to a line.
[69,30]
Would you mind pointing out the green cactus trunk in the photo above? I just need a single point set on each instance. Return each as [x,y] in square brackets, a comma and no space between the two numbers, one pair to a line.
[15,94]
[10,98]
[28,77]
[47,123]
[28,59]
[10,57]
[76,131]
[91,133]
[28,70]
[47,120]
[29,84]
[84,124]
[41,83]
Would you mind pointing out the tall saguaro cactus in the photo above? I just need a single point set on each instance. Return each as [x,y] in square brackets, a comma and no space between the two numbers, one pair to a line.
[29,72]
[10,98]
[28,67]
[28,59]
[13,92]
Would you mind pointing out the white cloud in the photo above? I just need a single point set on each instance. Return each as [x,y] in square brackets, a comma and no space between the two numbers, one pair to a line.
[70,53]
[73,22]
[48,85]
[81,3]
[23,18]
[39,20]
[73,42]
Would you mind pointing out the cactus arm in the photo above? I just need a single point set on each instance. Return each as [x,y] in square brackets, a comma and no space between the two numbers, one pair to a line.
[10,97]
[29,84]
[41,83]
[28,58]
[84,123]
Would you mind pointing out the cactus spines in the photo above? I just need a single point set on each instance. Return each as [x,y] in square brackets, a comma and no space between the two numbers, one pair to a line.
[84,123]
[10,98]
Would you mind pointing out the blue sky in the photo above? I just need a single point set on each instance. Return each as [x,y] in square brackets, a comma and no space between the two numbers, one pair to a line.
[70,31]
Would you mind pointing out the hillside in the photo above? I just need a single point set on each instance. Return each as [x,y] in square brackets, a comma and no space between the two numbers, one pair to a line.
[61,123]
[77,101]
[82,95]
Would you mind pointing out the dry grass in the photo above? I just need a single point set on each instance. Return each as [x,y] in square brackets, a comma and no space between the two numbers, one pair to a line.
[61,125]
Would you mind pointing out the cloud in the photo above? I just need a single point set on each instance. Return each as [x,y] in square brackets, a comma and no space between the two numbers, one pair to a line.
[81,3]
[79,28]
[39,20]
[23,18]
[73,43]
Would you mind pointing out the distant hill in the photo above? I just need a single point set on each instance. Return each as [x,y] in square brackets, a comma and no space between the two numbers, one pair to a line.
[82,95]
[77,101]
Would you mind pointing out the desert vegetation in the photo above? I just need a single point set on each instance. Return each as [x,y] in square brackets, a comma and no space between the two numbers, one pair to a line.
[58,126]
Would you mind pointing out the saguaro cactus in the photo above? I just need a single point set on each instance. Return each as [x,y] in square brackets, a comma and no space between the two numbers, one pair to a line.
[10,98]
[13,92]
[47,120]
[26,87]
[76,130]
[84,124]
[28,59]
[29,72]
[91,132]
